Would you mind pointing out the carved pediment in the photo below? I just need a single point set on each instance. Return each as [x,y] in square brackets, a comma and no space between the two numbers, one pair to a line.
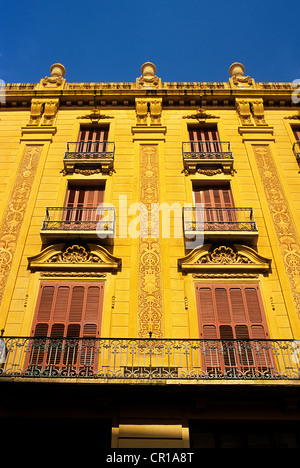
[61,257]
[224,260]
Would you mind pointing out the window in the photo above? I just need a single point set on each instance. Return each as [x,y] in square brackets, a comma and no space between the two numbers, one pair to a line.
[229,312]
[92,139]
[81,205]
[204,140]
[69,315]
[219,196]
[68,310]
[219,212]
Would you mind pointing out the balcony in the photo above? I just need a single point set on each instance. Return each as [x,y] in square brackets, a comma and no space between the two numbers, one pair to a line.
[61,223]
[220,223]
[123,360]
[296,150]
[207,154]
[89,155]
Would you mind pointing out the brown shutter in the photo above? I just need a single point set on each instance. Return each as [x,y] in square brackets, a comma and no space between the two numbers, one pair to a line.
[79,196]
[219,196]
[237,305]
[83,201]
[65,308]
[222,305]
[232,312]
[209,135]
[91,139]
[296,133]
[45,304]
[76,307]
[61,304]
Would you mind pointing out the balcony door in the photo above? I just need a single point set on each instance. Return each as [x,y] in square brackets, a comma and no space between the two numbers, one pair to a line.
[65,313]
[219,213]
[234,315]
[204,140]
[92,140]
[81,206]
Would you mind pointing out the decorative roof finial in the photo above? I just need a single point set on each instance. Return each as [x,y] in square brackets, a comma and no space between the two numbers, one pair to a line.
[148,78]
[238,79]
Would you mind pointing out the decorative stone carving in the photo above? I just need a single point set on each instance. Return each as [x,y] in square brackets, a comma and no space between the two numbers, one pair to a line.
[222,260]
[60,257]
[155,111]
[43,111]
[257,107]
[94,116]
[294,117]
[148,110]
[36,111]
[238,79]
[15,211]
[243,109]
[56,79]
[224,255]
[251,111]
[286,231]
[50,110]
[141,109]
[148,78]
[201,115]
[150,268]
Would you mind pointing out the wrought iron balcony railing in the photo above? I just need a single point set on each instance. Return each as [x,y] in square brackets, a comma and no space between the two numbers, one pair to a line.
[222,220]
[89,153]
[206,150]
[296,149]
[100,220]
[207,153]
[150,359]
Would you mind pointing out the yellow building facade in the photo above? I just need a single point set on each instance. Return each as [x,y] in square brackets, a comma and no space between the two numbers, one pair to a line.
[150,259]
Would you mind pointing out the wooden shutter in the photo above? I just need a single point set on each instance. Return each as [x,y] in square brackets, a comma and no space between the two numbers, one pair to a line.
[204,139]
[80,196]
[92,139]
[296,131]
[233,312]
[218,196]
[83,202]
[214,199]
[68,308]
[231,305]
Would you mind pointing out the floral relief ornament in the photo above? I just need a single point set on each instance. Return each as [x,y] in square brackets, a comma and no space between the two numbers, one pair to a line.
[224,255]
[74,254]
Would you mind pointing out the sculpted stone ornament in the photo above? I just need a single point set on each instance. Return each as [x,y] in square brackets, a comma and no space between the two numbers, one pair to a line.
[224,260]
[56,79]
[238,79]
[43,112]
[148,78]
[91,258]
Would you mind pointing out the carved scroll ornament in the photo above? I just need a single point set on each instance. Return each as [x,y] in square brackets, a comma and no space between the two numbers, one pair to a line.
[223,260]
[61,257]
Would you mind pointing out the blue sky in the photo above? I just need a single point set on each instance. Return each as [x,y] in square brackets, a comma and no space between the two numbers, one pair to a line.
[189,40]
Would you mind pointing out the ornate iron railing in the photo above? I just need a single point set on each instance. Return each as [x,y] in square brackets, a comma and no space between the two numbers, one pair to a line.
[150,359]
[296,149]
[218,219]
[93,150]
[100,219]
[206,150]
